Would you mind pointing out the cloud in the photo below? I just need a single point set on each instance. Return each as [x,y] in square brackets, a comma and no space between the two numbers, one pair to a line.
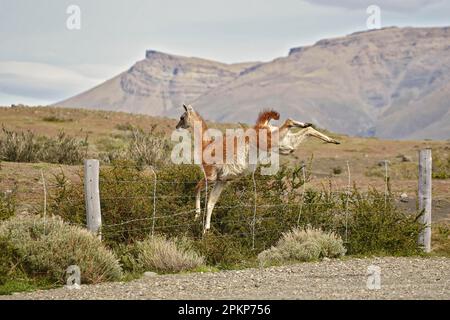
[403,6]
[31,81]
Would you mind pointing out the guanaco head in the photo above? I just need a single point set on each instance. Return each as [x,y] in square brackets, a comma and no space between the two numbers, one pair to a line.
[187,118]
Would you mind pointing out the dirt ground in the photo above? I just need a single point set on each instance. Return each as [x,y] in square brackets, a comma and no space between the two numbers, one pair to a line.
[400,278]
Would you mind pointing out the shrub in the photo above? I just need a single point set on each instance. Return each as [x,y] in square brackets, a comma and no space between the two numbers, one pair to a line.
[441,166]
[148,148]
[7,204]
[225,250]
[377,226]
[54,118]
[303,245]
[162,255]
[28,147]
[63,149]
[337,170]
[125,126]
[47,247]
[441,239]
[18,146]
[8,260]
[136,145]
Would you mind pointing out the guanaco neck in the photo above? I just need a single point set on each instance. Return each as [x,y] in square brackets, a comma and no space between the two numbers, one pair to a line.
[205,141]
[282,131]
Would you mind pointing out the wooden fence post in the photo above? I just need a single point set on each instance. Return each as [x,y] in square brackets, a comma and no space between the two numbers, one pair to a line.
[425,168]
[92,196]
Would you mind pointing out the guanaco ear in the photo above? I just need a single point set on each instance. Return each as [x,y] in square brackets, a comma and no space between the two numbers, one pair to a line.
[188,107]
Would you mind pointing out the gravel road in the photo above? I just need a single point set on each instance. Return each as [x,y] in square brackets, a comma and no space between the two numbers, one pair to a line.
[401,278]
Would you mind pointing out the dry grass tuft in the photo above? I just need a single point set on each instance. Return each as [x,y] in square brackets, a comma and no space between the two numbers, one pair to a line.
[303,245]
[161,255]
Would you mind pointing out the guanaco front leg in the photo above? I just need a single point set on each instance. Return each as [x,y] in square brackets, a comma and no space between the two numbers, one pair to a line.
[314,133]
[198,192]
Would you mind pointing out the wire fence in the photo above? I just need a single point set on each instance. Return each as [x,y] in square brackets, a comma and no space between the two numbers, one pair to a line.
[160,217]
[156,197]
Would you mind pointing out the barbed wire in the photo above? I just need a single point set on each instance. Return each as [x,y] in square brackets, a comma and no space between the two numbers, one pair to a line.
[148,218]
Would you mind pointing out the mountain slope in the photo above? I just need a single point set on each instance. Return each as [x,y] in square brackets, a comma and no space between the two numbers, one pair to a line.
[158,85]
[392,83]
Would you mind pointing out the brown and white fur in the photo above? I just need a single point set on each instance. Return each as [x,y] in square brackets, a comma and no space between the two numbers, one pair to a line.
[220,174]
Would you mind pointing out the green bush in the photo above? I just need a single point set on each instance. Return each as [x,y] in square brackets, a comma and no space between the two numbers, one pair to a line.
[441,166]
[55,118]
[7,204]
[337,170]
[47,247]
[441,238]
[225,250]
[377,226]
[126,126]
[9,259]
[303,245]
[161,255]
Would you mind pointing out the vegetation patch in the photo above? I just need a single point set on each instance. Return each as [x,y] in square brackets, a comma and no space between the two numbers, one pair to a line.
[369,223]
[26,146]
[303,245]
[57,119]
[161,255]
[441,239]
[441,165]
[46,247]
[7,204]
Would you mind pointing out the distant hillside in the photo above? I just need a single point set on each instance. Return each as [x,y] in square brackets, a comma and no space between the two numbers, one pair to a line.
[390,83]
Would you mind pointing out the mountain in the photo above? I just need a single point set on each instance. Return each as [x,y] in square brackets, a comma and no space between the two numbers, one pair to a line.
[389,83]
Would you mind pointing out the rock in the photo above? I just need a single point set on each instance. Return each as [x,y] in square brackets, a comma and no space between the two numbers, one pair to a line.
[150,274]
[404,158]
[404,197]
[382,163]
[74,286]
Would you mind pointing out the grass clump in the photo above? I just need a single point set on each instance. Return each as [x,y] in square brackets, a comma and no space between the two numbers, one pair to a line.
[8,260]
[441,239]
[441,166]
[57,119]
[162,255]
[47,247]
[7,204]
[136,145]
[300,245]
[148,148]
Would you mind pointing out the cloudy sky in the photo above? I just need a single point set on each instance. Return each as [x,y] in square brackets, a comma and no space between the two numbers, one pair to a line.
[42,61]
